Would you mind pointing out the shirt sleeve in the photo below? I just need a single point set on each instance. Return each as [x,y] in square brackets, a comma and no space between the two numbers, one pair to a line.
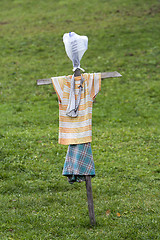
[94,84]
[58,83]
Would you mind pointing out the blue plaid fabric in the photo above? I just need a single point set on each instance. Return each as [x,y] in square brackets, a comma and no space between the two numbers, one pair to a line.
[79,162]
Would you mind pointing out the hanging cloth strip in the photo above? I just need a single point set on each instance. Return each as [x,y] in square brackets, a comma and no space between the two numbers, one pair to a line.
[73,105]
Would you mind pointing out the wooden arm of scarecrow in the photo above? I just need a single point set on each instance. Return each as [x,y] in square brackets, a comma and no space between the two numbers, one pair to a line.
[103,76]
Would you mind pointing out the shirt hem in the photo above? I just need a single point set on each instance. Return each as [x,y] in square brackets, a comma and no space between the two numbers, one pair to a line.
[64,142]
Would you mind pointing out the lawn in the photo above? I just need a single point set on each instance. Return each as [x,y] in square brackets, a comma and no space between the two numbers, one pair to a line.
[36,201]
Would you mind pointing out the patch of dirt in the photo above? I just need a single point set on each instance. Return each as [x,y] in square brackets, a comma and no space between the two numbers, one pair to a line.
[4,23]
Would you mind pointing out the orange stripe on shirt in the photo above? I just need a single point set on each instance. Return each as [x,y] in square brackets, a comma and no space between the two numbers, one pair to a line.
[75,140]
[81,107]
[77,119]
[75,130]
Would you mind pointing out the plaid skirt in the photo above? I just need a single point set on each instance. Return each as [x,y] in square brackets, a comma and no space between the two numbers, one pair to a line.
[79,162]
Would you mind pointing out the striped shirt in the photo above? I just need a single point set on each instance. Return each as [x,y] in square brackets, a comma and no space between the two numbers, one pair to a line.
[76,130]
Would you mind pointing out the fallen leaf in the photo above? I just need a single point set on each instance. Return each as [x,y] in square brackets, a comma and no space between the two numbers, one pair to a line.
[118,214]
[108,212]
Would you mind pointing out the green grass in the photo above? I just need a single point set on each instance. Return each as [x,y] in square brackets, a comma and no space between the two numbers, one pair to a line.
[36,202]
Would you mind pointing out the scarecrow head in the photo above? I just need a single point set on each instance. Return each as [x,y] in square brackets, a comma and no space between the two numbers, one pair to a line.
[75,46]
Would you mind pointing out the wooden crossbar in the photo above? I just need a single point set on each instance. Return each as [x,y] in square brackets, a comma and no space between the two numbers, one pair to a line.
[104,75]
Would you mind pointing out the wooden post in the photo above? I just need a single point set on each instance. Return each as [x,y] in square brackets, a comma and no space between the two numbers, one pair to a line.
[90,200]
[88,183]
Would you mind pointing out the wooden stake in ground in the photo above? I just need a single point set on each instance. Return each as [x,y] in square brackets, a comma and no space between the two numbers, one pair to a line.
[90,200]
[88,178]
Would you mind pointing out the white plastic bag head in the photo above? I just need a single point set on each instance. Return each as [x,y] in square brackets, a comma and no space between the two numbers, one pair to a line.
[75,46]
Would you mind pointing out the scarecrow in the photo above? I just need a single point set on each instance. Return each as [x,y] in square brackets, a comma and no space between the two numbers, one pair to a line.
[75,95]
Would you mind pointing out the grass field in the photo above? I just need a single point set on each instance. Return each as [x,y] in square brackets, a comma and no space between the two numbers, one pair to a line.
[36,201]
